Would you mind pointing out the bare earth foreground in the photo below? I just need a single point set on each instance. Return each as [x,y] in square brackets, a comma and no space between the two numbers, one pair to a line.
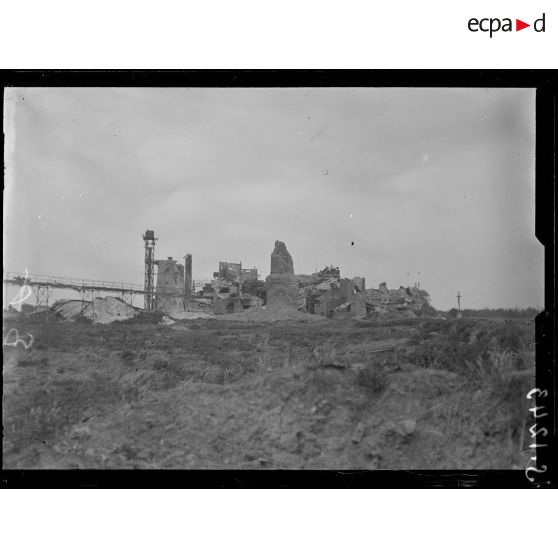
[292,394]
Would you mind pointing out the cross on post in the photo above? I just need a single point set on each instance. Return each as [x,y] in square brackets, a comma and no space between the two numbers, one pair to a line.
[459,301]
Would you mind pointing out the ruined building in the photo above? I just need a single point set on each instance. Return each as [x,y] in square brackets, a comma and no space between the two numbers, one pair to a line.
[229,271]
[281,283]
[235,272]
[404,301]
[233,289]
[334,297]
[169,292]
[249,274]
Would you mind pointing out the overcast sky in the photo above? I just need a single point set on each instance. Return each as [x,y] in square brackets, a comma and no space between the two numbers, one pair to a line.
[396,185]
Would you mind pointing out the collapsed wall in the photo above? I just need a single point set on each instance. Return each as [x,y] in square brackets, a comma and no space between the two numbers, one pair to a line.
[169,292]
[281,283]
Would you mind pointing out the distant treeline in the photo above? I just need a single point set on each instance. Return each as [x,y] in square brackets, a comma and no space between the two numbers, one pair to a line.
[497,313]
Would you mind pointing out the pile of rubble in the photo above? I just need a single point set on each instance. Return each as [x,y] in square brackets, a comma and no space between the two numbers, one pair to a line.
[232,290]
[237,293]
[328,294]
[406,302]
[223,296]
[100,310]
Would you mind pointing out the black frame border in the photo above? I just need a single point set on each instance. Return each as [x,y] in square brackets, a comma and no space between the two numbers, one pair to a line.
[544,81]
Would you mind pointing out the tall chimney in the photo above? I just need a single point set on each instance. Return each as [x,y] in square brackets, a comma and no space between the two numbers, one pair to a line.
[188,276]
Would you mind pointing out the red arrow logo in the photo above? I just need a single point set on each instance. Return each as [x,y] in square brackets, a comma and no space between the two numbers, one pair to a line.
[519,25]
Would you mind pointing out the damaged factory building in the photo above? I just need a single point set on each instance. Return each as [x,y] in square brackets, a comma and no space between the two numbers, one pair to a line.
[324,293]
[406,302]
[328,294]
[169,288]
[233,289]
[236,289]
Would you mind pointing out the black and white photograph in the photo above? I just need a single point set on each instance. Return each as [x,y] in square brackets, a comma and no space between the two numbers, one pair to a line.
[269,278]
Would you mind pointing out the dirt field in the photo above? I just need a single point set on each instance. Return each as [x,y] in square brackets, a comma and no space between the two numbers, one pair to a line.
[320,394]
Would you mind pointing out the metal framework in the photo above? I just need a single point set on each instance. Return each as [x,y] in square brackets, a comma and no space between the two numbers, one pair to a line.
[87,299]
[42,293]
[43,286]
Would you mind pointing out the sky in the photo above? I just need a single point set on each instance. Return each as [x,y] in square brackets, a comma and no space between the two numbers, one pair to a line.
[391,184]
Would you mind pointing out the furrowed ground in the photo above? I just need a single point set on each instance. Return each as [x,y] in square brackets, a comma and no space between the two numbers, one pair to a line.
[407,394]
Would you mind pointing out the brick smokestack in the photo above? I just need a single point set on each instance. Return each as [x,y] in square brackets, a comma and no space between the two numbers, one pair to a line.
[188,276]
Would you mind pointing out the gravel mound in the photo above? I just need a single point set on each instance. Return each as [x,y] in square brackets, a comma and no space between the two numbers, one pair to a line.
[101,310]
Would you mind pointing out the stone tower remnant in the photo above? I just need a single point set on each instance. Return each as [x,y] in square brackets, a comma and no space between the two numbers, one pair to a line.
[281,260]
[169,294]
[281,282]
